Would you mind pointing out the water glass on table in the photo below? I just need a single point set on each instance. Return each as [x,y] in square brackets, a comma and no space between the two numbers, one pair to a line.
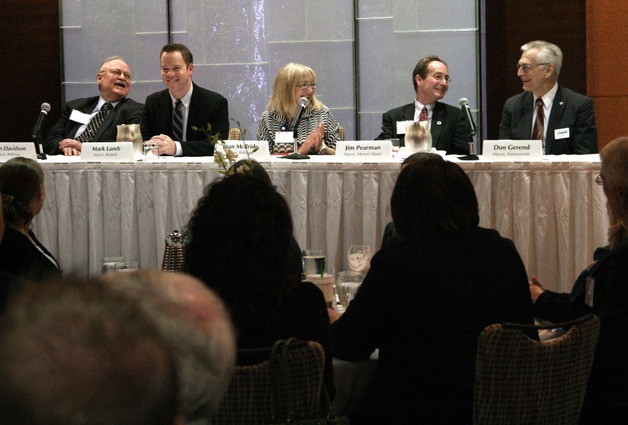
[110,264]
[313,262]
[347,284]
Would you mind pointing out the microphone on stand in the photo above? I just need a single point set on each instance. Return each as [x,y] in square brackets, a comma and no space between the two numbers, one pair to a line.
[303,102]
[45,108]
[464,105]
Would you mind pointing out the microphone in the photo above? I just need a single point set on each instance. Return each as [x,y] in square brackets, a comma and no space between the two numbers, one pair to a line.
[45,108]
[303,102]
[464,105]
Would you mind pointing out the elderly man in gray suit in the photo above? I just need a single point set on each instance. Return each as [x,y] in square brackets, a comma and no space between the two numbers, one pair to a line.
[562,119]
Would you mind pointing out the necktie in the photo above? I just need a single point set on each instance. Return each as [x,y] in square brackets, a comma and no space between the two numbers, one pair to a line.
[94,123]
[537,130]
[423,114]
[177,121]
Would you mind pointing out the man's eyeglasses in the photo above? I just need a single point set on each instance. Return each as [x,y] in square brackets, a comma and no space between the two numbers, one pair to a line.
[305,86]
[118,73]
[440,77]
[599,180]
[525,67]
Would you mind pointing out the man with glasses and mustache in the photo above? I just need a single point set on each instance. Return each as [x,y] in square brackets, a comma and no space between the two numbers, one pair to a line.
[95,119]
[562,119]
[447,124]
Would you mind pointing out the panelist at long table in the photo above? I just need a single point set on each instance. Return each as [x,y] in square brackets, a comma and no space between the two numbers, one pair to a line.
[552,208]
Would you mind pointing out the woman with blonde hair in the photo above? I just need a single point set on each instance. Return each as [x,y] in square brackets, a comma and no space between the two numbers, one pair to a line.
[317,131]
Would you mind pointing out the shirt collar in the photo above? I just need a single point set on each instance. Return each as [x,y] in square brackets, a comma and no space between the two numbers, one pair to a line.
[186,99]
[548,98]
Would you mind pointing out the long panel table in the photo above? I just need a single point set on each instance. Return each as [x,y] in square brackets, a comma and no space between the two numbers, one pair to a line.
[553,210]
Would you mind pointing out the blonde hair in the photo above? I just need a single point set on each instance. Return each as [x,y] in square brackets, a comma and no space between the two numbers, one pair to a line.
[282,97]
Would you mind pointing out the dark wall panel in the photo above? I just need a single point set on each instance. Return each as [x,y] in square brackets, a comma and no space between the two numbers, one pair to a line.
[31,65]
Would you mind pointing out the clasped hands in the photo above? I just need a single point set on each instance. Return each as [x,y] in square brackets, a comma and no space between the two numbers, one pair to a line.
[313,141]
[163,144]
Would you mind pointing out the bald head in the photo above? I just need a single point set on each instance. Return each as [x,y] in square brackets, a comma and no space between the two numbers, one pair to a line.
[195,322]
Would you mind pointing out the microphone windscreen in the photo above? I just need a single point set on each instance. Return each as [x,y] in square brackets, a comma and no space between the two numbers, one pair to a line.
[304,101]
[45,107]
[463,101]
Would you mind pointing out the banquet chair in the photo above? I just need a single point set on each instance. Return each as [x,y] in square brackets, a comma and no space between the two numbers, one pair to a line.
[341,133]
[519,380]
[249,396]
[235,134]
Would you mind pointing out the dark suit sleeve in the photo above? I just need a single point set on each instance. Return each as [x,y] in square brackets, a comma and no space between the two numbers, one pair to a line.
[147,126]
[389,129]
[506,123]
[585,130]
[58,132]
[220,118]
[460,137]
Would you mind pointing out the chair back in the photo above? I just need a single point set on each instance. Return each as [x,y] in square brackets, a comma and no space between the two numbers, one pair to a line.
[173,259]
[519,380]
[249,396]
[235,134]
[341,133]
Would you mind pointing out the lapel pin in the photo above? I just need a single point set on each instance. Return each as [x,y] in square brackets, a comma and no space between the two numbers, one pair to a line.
[561,103]
[438,122]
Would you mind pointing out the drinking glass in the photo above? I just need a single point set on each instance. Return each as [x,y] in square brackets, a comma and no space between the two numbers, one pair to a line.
[313,262]
[151,150]
[347,284]
[109,264]
[126,266]
[359,257]
[395,144]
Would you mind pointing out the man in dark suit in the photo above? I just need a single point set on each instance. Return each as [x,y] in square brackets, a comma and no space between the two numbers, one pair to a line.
[449,129]
[170,114]
[567,122]
[73,128]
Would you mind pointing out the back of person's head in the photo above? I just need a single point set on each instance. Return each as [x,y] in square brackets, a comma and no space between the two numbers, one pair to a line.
[251,167]
[21,180]
[614,173]
[194,321]
[73,353]
[433,198]
[238,240]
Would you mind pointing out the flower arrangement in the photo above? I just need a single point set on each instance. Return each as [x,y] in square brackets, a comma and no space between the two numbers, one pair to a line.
[225,157]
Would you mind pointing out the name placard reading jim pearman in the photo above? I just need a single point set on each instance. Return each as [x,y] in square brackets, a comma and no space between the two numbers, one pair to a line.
[10,150]
[513,150]
[363,150]
[107,152]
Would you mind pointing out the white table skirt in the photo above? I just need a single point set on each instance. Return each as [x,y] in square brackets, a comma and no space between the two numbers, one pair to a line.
[553,210]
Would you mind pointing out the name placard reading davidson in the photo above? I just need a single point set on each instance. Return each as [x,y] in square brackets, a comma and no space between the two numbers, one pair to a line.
[364,150]
[107,152]
[10,150]
[513,150]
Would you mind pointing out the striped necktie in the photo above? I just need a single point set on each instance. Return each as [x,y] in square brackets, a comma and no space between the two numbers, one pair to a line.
[177,121]
[94,123]
[537,130]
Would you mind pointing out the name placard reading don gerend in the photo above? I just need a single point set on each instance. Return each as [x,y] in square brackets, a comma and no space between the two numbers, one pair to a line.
[10,150]
[363,150]
[513,150]
[107,152]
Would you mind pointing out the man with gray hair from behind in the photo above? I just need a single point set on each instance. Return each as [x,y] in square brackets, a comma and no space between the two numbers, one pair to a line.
[195,322]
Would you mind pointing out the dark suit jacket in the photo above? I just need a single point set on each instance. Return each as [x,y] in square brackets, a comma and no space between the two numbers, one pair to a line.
[127,111]
[569,110]
[424,305]
[450,131]
[20,258]
[205,107]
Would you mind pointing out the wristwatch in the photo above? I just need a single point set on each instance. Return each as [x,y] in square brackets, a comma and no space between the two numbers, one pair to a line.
[323,149]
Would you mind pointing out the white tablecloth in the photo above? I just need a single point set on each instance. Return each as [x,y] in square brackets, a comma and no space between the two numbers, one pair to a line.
[553,210]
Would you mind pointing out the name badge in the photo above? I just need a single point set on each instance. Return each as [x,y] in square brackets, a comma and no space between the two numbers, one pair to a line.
[364,150]
[561,133]
[80,117]
[513,150]
[402,125]
[107,152]
[10,150]
[588,297]
[257,149]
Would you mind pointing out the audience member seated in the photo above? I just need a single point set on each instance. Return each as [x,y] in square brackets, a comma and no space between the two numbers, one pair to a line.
[239,244]
[73,353]
[95,119]
[427,297]
[23,195]
[566,123]
[604,291]
[317,131]
[195,323]
[170,114]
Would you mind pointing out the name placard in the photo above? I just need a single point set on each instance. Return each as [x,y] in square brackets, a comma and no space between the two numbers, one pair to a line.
[107,152]
[260,147]
[10,150]
[364,150]
[513,150]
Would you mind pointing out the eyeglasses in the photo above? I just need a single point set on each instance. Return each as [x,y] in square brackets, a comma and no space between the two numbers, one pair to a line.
[599,180]
[305,86]
[440,77]
[119,73]
[525,67]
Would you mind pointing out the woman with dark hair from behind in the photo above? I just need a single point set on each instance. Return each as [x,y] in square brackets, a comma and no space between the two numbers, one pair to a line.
[23,195]
[427,297]
[240,244]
